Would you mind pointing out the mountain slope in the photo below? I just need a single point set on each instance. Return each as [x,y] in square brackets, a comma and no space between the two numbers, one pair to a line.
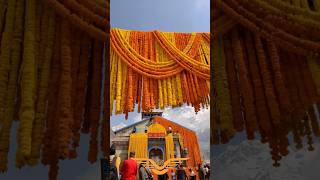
[251,160]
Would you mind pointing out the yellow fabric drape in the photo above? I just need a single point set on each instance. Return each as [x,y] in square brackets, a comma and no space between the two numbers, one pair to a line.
[138,143]
[156,128]
[169,146]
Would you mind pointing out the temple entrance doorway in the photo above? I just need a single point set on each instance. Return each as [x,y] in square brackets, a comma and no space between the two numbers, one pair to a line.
[156,154]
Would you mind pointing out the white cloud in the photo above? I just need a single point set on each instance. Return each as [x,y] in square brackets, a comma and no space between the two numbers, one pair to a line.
[186,116]
[137,118]
[118,126]
[198,122]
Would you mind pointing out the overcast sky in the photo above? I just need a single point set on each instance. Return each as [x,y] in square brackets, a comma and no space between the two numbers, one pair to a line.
[164,15]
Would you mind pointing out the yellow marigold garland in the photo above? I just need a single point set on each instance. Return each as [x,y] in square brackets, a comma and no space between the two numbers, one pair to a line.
[5,54]
[222,97]
[7,118]
[315,71]
[28,82]
[3,7]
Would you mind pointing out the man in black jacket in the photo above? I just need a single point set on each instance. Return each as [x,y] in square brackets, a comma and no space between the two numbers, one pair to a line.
[163,177]
[181,173]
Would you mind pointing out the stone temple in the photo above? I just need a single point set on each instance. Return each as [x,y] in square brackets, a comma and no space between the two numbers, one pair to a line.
[159,144]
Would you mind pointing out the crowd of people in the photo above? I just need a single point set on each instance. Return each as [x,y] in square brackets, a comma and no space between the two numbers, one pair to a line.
[131,171]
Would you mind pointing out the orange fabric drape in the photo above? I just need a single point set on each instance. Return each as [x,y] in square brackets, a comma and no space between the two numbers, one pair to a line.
[189,138]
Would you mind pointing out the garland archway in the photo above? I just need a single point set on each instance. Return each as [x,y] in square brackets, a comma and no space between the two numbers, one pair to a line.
[158,69]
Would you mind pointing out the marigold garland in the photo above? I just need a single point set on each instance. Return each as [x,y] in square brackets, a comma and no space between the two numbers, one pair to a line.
[81,83]
[44,72]
[77,21]
[231,71]
[49,53]
[94,111]
[151,60]
[292,43]
[222,95]
[245,85]
[273,56]
[288,65]
[98,9]
[6,47]
[263,116]
[28,82]
[8,110]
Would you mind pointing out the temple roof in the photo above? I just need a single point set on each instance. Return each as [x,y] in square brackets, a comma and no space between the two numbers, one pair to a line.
[140,122]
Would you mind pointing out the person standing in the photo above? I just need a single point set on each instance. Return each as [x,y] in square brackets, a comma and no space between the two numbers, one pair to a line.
[173,175]
[113,175]
[143,173]
[149,174]
[163,177]
[129,168]
[181,173]
[207,171]
[201,172]
[192,175]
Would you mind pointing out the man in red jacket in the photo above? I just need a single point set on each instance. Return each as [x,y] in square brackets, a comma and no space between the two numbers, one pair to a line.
[129,168]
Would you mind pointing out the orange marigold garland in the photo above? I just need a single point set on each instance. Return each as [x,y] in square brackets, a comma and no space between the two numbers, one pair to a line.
[245,86]
[94,111]
[52,97]
[44,72]
[65,117]
[263,116]
[81,83]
